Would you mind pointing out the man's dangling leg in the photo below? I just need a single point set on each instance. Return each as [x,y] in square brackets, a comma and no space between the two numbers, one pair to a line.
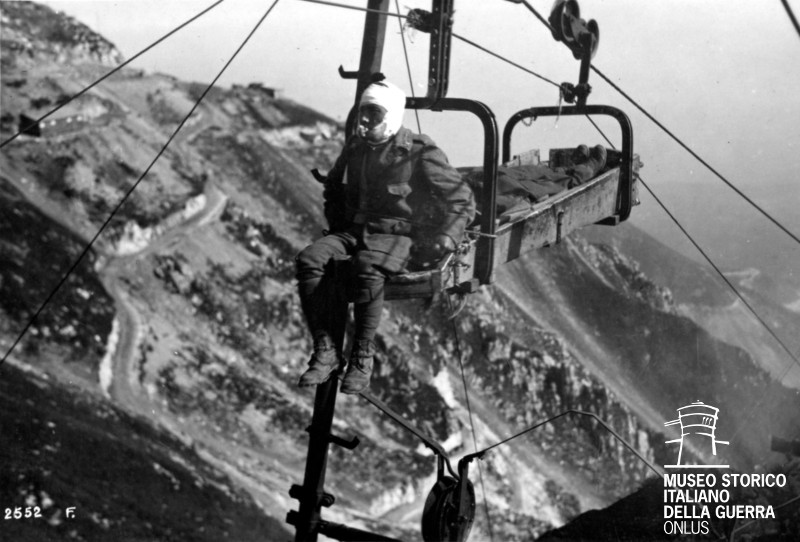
[367,309]
[367,316]
[320,306]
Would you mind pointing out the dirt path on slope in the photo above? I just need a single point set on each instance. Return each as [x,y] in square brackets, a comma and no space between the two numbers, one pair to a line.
[240,463]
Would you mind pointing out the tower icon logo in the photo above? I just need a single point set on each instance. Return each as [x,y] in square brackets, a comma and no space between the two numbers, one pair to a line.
[698,422]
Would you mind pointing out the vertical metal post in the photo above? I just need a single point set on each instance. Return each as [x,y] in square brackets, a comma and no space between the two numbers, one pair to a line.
[312,491]
[439,63]
[311,494]
[586,40]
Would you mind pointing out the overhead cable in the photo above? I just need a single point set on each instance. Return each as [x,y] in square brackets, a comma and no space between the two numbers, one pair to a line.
[133,187]
[470,42]
[792,18]
[504,59]
[710,261]
[537,14]
[355,8]
[696,156]
[613,433]
[724,278]
[766,326]
[592,415]
[112,72]
[722,275]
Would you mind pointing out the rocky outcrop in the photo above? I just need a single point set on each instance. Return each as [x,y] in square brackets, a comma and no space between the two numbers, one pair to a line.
[133,238]
[34,31]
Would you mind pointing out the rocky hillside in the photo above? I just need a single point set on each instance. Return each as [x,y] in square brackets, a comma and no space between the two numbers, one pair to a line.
[177,339]
[703,296]
[31,33]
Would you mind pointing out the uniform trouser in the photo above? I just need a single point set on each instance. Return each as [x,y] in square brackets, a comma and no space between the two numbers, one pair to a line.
[321,296]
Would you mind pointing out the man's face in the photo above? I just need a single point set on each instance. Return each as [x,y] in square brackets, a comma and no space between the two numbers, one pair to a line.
[371,125]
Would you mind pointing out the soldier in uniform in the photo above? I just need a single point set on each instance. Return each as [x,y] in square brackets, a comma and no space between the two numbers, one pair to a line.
[392,201]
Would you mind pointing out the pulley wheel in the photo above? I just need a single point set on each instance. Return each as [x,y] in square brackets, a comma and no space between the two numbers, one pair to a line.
[561,16]
[440,521]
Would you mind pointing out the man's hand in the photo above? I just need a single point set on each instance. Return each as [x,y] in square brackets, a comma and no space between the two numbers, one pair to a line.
[443,244]
[428,252]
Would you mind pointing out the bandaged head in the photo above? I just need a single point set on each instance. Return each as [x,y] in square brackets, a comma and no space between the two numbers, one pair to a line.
[391,99]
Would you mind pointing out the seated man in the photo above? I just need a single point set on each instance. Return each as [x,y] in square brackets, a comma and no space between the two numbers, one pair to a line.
[402,197]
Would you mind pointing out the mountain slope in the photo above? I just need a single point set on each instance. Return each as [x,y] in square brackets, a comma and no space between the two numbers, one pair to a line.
[703,296]
[133,483]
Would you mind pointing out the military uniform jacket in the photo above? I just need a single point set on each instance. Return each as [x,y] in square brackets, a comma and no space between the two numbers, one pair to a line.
[405,187]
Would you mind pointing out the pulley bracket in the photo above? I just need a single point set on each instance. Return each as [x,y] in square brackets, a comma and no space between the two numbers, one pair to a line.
[582,38]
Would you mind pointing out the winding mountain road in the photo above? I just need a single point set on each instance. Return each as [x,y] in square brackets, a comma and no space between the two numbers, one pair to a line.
[125,386]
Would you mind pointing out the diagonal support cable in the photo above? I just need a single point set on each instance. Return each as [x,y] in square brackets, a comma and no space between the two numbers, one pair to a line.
[763,323]
[506,60]
[355,8]
[792,18]
[112,72]
[698,157]
[132,188]
[608,428]
[711,263]
[722,275]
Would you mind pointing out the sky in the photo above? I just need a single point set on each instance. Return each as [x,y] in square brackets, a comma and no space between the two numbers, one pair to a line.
[722,75]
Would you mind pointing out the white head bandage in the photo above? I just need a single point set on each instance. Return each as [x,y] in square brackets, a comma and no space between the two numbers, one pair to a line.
[391,98]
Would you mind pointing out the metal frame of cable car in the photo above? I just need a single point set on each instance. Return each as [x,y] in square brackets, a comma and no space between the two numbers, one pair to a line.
[607,199]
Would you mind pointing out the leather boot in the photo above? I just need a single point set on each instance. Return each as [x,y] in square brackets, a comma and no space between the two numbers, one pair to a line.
[356,379]
[324,362]
[588,163]
[580,154]
[598,156]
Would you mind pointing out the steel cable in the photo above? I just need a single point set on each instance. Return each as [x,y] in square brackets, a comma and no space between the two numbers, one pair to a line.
[712,264]
[459,354]
[792,18]
[722,275]
[698,157]
[355,8]
[766,326]
[504,59]
[579,413]
[760,401]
